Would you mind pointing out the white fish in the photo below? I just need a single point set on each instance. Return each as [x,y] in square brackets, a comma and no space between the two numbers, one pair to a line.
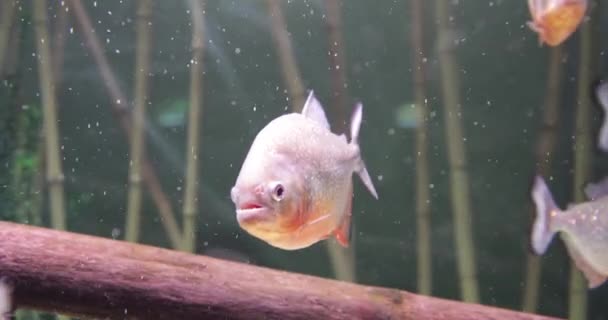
[601,92]
[583,227]
[295,186]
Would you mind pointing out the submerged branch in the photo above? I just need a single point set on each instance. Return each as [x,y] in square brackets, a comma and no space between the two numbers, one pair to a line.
[96,277]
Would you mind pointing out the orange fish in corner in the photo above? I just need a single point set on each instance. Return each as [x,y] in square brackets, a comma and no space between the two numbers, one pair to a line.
[556,20]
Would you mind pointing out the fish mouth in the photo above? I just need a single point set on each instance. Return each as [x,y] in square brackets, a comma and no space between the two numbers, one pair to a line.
[252,212]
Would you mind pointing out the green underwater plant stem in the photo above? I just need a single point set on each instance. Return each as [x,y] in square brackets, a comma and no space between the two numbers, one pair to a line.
[459,176]
[37,189]
[583,146]
[342,259]
[289,66]
[142,69]
[59,38]
[19,171]
[194,126]
[337,63]
[49,106]
[7,19]
[22,163]
[423,198]
[545,148]
[119,111]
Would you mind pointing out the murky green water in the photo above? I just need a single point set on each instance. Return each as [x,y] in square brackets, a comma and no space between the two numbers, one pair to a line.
[501,78]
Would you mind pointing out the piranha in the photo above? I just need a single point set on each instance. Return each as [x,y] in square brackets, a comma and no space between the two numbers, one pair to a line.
[583,227]
[601,94]
[295,186]
[556,20]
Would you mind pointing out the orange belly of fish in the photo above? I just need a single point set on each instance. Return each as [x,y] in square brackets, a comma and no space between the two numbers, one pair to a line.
[559,23]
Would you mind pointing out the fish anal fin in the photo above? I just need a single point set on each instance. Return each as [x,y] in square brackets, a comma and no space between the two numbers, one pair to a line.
[594,278]
[342,233]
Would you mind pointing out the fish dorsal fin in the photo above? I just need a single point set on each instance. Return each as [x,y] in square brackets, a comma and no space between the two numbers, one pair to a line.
[314,110]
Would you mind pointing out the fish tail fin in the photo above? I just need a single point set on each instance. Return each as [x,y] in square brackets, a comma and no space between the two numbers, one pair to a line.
[601,92]
[355,124]
[542,232]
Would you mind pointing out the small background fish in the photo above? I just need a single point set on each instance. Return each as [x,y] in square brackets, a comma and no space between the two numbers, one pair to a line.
[556,20]
[582,226]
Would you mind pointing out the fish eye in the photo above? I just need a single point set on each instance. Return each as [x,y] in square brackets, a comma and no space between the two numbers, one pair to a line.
[278,192]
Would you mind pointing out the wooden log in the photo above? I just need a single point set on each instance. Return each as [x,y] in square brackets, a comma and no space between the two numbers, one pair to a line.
[91,276]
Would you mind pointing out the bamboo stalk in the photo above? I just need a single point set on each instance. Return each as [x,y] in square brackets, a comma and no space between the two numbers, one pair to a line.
[18,185]
[194,123]
[142,70]
[97,277]
[53,154]
[37,191]
[423,197]
[120,112]
[459,177]
[545,147]
[13,86]
[54,171]
[342,259]
[7,18]
[583,147]
[337,63]
[59,38]
[289,66]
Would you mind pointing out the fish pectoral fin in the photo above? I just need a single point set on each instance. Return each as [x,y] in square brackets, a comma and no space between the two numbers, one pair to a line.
[312,222]
[317,220]
[594,278]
